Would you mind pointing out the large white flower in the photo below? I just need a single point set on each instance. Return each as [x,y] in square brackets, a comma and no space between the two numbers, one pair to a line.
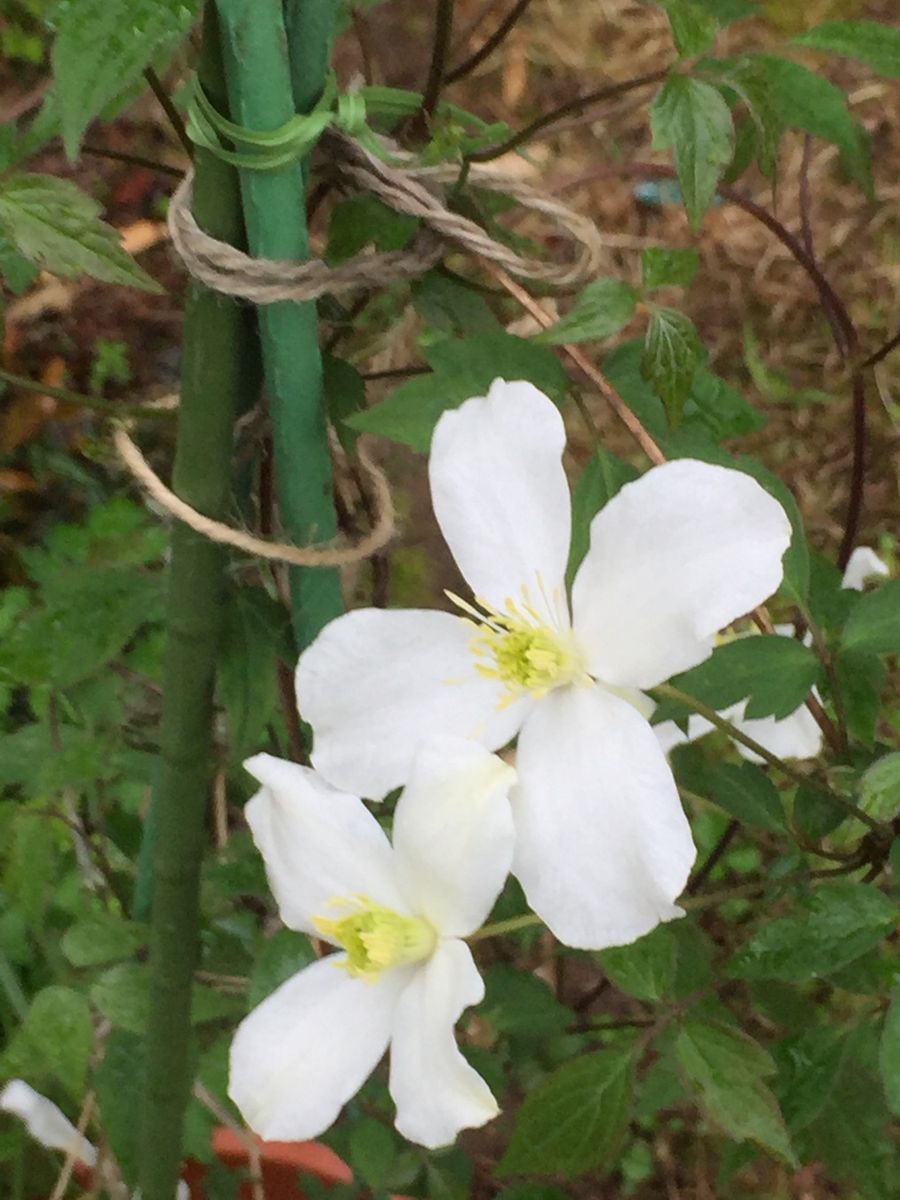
[602,845]
[798,734]
[398,913]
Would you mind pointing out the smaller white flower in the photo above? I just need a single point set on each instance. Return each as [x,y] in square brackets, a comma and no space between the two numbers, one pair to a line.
[45,1122]
[797,735]
[403,975]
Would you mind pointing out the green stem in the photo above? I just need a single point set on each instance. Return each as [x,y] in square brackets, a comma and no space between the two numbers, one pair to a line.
[672,693]
[260,93]
[501,927]
[217,337]
[112,408]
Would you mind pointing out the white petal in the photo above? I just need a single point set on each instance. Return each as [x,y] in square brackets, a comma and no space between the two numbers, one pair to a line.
[435,1090]
[674,557]
[501,498]
[375,683]
[603,848]
[318,843]
[453,834]
[299,1057]
[794,736]
[45,1122]
[863,564]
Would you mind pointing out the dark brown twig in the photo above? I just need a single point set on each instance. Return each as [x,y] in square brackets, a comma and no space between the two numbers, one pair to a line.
[713,859]
[165,102]
[135,160]
[874,359]
[443,31]
[490,45]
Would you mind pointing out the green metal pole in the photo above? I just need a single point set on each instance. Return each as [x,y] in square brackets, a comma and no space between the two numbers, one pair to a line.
[258,73]
[217,353]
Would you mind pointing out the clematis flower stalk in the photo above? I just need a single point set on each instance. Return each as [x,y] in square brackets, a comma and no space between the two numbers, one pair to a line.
[397,916]
[798,734]
[603,848]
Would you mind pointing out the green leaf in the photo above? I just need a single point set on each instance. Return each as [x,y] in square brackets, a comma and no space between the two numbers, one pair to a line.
[102,938]
[281,957]
[835,924]
[874,623]
[17,272]
[118,1083]
[725,1068]
[672,353]
[668,268]
[816,813]
[121,995]
[692,119]
[575,1120]
[600,310]
[746,792]
[860,679]
[56,1037]
[344,392]
[774,673]
[604,475]
[462,368]
[102,46]
[873,42]
[721,409]
[256,635]
[362,221]
[646,968]
[810,1063]
[694,27]
[727,11]
[448,305]
[880,788]
[56,226]
[806,101]
[372,1151]
[520,1006]
[889,1055]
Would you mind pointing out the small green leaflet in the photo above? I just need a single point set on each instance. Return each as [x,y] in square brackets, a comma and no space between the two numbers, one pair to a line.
[874,623]
[102,46]
[600,310]
[672,353]
[668,268]
[56,1037]
[880,788]
[860,678]
[889,1057]
[832,926]
[54,225]
[726,1070]
[806,101]
[576,1119]
[646,968]
[692,119]
[873,42]
[746,792]
[694,27]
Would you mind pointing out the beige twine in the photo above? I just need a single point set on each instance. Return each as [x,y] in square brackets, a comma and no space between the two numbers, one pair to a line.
[404,189]
[409,189]
[298,556]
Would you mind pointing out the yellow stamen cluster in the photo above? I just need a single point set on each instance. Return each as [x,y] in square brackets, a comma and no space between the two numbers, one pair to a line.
[519,648]
[376,938]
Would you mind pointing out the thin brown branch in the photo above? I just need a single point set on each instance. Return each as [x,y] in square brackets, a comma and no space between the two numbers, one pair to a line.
[440,49]
[135,160]
[874,359]
[174,116]
[490,45]
[713,859]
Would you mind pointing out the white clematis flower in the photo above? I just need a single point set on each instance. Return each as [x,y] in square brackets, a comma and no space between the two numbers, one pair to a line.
[602,846]
[398,913]
[46,1123]
[797,735]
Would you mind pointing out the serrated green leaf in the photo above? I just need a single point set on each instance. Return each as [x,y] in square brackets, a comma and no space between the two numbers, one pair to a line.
[807,101]
[448,305]
[575,1120]
[810,1063]
[256,634]
[646,968]
[17,272]
[604,475]
[344,392]
[118,1083]
[832,926]
[874,624]
[56,1037]
[521,1006]
[672,354]
[880,788]
[372,1151]
[694,27]
[668,268]
[55,225]
[774,673]
[860,679]
[873,42]
[462,368]
[726,1069]
[102,938]
[889,1054]
[601,309]
[746,792]
[692,119]
[362,221]
[102,46]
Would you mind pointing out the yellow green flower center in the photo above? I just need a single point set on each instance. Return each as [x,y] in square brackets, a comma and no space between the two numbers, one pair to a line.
[376,938]
[519,648]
